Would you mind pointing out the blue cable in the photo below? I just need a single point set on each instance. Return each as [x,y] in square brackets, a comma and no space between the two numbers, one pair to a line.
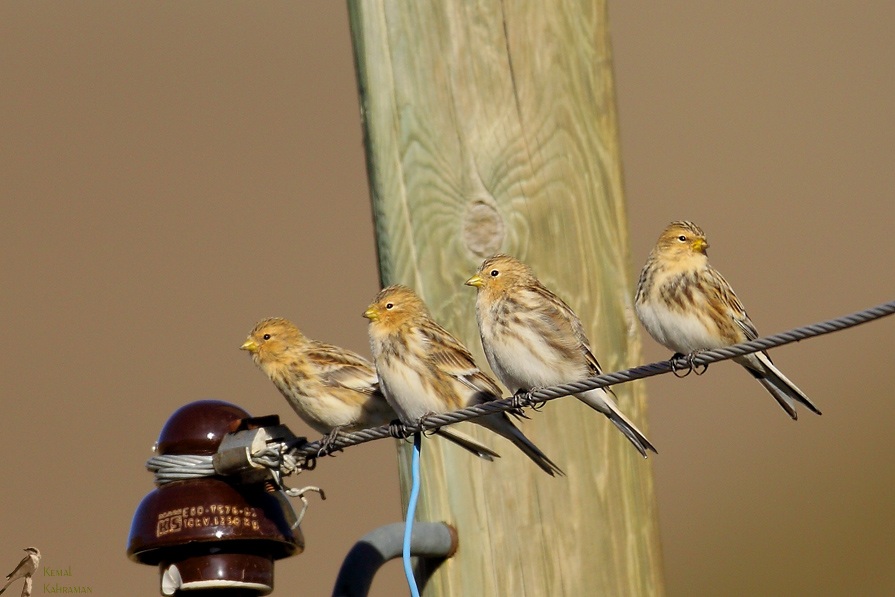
[411,512]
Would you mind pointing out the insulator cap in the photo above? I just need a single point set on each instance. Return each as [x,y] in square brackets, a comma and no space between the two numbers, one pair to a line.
[199,427]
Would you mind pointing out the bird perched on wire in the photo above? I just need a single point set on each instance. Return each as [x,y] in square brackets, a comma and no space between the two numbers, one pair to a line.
[423,369]
[332,389]
[534,339]
[687,306]
[25,569]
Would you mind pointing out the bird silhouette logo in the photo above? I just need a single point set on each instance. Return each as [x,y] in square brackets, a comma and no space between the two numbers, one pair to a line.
[25,569]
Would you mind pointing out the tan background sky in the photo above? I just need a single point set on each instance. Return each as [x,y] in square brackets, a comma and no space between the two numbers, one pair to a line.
[171,173]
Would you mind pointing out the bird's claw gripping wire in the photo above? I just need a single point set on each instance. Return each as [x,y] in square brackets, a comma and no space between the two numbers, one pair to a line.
[520,399]
[523,398]
[684,363]
[423,420]
[328,443]
[398,430]
[538,406]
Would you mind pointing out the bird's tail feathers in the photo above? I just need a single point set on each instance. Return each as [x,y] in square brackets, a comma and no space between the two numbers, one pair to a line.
[634,435]
[467,443]
[778,385]
[782,398]
[501,424]
[601,400]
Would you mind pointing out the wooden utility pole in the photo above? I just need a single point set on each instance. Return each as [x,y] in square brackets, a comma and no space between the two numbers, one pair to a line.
[490,127]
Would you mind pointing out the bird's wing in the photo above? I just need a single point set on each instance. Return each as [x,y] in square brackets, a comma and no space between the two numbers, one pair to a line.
[728,306]
[449,356]
[562,323]
[342,368]
[20,569]
[746,325]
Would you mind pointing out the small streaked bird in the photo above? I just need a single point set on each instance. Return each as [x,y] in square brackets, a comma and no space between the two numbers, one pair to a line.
[533,339]
[687,306]
[425,370]
[332,389]
[25,569]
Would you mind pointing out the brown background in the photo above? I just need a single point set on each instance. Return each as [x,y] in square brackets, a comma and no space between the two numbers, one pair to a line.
[171,173]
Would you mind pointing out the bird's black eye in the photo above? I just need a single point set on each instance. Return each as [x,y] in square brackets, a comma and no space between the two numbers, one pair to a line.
[266,336]
[389,306]
[682,238]
[494,273]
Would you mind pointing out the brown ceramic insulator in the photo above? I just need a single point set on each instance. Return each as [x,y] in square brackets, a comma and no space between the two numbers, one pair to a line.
[186,513]
[212,573]
[208,534]
[198,427]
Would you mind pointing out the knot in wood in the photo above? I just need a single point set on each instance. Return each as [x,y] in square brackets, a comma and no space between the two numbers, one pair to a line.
[483,228]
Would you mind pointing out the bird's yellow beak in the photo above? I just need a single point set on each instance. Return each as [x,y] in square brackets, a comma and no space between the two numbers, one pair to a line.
[476,281]
[700,245]
[249,345]
[372,314]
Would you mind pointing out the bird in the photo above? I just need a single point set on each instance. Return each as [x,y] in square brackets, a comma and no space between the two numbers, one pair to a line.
[423,369]
[25,569]
[332,389]
[532,338]
[687,306]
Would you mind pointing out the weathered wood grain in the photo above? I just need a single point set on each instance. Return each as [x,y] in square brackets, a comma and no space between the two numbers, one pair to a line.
[491,126]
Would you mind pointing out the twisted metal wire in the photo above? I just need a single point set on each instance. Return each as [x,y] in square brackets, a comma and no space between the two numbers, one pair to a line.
[289,460]
[178,467]
[168,468]
[310,451]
